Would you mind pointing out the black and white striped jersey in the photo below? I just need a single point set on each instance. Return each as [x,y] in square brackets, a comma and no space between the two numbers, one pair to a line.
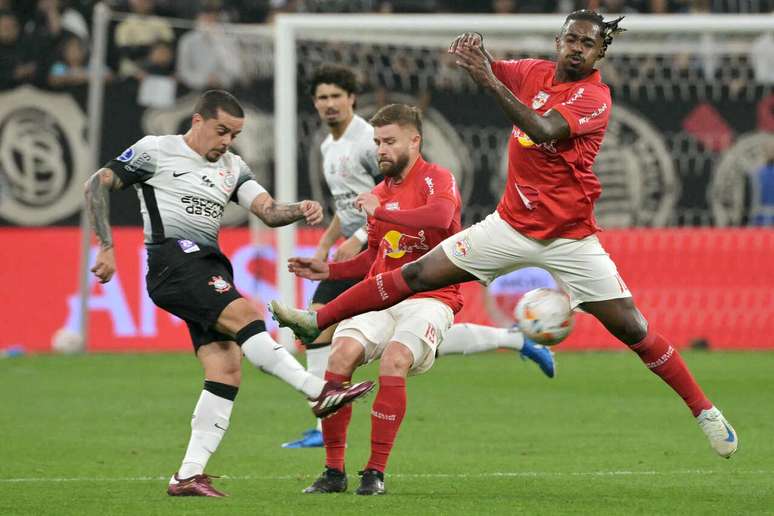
[182,195]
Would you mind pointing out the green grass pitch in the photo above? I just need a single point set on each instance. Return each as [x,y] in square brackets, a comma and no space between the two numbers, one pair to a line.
[483,434]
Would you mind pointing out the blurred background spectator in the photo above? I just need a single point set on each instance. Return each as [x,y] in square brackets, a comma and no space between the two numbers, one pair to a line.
[17,65]
[51,22]
[207,57]
[71,68]
[137,35]
[158,85]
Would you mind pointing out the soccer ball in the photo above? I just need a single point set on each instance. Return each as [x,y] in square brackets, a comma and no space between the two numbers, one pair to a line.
[67,342]
[544,316]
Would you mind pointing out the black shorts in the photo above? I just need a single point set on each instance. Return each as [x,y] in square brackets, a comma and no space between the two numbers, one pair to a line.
[328,290]
[194,282]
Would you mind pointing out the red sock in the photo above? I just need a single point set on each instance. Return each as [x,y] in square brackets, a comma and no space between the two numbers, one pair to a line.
[386,416]
[664,360]
[334,429]
[381,291]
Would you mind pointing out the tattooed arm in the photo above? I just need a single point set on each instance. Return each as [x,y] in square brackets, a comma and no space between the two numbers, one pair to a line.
[97,193]
[275,214]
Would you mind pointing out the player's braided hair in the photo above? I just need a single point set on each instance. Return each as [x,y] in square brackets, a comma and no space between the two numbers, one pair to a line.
[608,29]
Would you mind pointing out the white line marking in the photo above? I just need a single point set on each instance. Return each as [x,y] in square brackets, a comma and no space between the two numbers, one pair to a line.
[501,474]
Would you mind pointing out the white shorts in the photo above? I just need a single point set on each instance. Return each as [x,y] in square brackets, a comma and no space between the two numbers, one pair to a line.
[418,324]
[582,268]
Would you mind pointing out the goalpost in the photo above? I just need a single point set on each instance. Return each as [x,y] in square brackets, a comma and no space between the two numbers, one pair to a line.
[662,63]
[649,38]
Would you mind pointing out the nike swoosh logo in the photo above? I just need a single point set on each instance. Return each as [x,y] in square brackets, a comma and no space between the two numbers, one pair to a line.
[730,437]
[277,348]
[178,174]
[218,426]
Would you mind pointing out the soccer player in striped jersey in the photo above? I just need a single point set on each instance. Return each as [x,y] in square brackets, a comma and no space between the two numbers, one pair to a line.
[183,183]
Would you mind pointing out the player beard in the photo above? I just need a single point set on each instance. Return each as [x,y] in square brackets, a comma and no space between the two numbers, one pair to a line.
[214,155]
[393,168]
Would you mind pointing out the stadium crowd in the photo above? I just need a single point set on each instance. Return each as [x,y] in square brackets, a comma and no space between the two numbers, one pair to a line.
[46,42]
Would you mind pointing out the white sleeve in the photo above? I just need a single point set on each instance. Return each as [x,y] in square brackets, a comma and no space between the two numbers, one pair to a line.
[247,187]
[247,193]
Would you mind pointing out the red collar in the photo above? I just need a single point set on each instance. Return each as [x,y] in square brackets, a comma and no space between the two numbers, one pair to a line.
[593,77]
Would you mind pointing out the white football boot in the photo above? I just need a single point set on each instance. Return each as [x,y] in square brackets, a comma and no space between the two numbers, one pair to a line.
[721,434]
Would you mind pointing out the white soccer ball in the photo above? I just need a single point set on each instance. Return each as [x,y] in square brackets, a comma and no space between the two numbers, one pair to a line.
[544,316]
[67,342]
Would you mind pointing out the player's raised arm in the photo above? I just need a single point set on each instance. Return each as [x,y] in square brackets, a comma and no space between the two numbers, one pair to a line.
[97,192]
[539,128]
[275,214]
[472,39]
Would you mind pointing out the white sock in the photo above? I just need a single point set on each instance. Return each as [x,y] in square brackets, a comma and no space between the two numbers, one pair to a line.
[475,338]
[317,360]
[317,363]
[208,425]
[265,353]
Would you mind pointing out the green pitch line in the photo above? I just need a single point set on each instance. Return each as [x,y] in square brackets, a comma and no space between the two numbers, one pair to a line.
[483,434]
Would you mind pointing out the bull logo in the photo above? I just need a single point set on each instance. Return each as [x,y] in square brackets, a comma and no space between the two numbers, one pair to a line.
[397,244]
[521,137]
[539,100]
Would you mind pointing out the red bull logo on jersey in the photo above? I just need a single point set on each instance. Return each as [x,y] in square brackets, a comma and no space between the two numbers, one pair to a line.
[525,141]
[397,244]
[521,137]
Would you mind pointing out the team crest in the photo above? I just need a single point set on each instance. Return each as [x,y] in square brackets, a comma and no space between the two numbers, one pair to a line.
[219,284]
[539,100]
[462,248]
[228,178]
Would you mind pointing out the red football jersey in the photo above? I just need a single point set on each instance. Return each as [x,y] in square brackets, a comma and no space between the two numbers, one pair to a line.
[399,244]
[551,189]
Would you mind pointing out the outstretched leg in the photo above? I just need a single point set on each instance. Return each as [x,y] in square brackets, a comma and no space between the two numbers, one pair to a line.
[261,350]
[432,271]
[467,339]
[625,322]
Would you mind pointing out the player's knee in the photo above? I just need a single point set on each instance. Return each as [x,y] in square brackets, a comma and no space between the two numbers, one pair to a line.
[396,361]
[226,374]
[234,373]
[632,330]
[238,315]
[346,355]
[415,277]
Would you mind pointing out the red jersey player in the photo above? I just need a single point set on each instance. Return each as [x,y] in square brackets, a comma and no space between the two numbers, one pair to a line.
[415,208]
[559,112]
